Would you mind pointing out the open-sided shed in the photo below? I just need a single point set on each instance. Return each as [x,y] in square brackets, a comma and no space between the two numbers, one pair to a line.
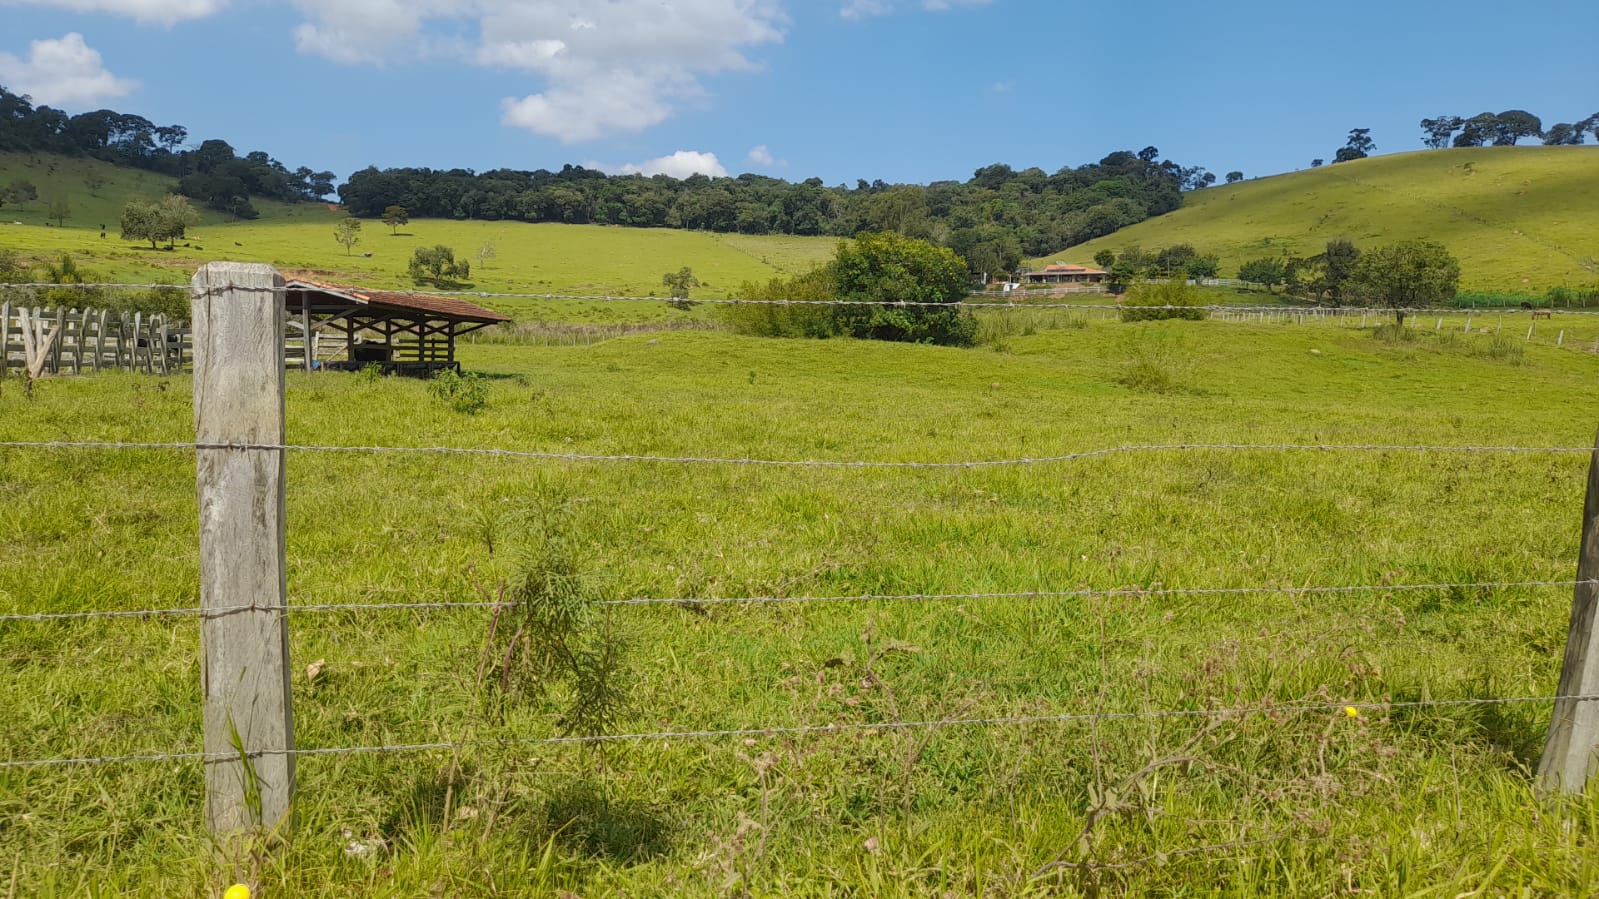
[340,327]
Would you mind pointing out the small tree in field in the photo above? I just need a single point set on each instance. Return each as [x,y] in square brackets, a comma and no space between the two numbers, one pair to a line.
[438,265]
[348,233]
[60,209]
[1412,274]
[485,253]
[680,282]
[396,217]
[1269,272]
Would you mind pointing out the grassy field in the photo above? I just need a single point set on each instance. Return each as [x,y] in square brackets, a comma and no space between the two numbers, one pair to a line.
[298,238]
[1519,218]
[1405,802]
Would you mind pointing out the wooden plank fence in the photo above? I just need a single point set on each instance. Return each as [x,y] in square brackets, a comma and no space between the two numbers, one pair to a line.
[37,341]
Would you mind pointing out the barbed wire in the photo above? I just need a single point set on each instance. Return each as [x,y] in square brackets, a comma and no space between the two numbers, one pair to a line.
[1083,593]
[1320,311]
[798,463]
[809,729]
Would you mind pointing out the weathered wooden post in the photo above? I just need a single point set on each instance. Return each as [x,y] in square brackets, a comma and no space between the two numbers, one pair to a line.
[1569,754]
[244,635]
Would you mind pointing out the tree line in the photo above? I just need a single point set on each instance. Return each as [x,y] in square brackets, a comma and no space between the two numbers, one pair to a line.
[1503,129]
[994,219]
[211,173]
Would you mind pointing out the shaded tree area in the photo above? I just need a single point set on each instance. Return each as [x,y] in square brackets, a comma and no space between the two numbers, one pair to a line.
[212,173]
[994,220]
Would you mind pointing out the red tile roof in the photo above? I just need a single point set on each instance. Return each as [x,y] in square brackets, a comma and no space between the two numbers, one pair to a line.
[442,307]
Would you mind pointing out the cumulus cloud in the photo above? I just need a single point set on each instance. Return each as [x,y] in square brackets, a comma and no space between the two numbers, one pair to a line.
[605,68]
[681,164]
[62,71]
[762,156]
[163,12]
[866,9]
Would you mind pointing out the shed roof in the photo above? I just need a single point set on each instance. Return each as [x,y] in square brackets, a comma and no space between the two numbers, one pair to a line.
[421,305]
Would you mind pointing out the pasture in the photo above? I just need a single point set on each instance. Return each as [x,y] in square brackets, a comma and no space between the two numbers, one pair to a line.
[1518,218]
[527,258]
[1289,797]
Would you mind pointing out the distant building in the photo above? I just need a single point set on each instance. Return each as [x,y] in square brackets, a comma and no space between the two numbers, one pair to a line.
[1060,273]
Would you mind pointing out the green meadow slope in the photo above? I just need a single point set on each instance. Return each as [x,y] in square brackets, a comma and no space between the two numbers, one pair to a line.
[1519,218]
[541,258]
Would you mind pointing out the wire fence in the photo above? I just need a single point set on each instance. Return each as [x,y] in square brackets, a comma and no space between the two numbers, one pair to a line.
[1267,706]
[1008,304]
[801,730]
[1082,593]
[551,456]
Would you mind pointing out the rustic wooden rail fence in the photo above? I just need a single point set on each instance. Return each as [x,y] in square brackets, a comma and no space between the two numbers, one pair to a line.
[37,341]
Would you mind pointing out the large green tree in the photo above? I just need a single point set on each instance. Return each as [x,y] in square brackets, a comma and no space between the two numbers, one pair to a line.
[168,219]
[899,288]
[438,265]
[1411,274]
[1269,272]
[888,269]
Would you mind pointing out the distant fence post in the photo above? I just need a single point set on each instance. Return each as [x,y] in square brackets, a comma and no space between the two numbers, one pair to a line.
[244,636]
[1569,753]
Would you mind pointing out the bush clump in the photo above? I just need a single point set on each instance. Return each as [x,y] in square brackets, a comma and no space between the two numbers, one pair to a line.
[899,288]
[467,394]
[1170,299]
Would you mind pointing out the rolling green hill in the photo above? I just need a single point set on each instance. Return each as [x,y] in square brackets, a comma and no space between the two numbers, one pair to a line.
[1519,218]
[533,258]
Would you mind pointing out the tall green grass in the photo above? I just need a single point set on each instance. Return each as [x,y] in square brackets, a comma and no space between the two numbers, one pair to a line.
[1431,801]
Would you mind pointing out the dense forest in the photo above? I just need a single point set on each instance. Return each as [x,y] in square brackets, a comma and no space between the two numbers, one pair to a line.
[211,173]
[994,219]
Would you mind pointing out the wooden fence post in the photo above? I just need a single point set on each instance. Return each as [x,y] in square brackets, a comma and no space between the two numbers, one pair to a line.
[238,316]
[1569,753]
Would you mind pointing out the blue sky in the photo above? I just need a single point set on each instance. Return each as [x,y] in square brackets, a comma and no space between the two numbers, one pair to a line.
[903,90]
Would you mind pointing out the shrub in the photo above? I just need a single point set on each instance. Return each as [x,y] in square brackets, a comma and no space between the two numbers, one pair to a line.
[1501,348]
[902,289]
[1156,363]
[467,394]
[1171,299]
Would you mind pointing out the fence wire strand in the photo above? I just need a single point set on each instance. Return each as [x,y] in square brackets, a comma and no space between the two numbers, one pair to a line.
[812,729]
[1315,311]
[553,456]
[1084,593]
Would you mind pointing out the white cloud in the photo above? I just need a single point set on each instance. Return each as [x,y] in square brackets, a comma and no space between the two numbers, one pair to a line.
[164,12]
[865,9]
[762,156]
[681,164]
[606,67]
[62,71]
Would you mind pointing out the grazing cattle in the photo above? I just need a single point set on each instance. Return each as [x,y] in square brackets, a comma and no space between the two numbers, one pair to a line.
[1543,313]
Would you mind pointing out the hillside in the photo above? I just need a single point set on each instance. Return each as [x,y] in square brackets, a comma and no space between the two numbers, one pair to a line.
[534,258]
[1519,218]
[112,186]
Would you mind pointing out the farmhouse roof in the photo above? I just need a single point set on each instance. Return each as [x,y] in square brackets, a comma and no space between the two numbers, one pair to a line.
[448,308]
[1062,267]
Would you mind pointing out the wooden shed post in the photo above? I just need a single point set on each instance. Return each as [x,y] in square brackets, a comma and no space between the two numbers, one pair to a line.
[244,636]
[1569,755]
